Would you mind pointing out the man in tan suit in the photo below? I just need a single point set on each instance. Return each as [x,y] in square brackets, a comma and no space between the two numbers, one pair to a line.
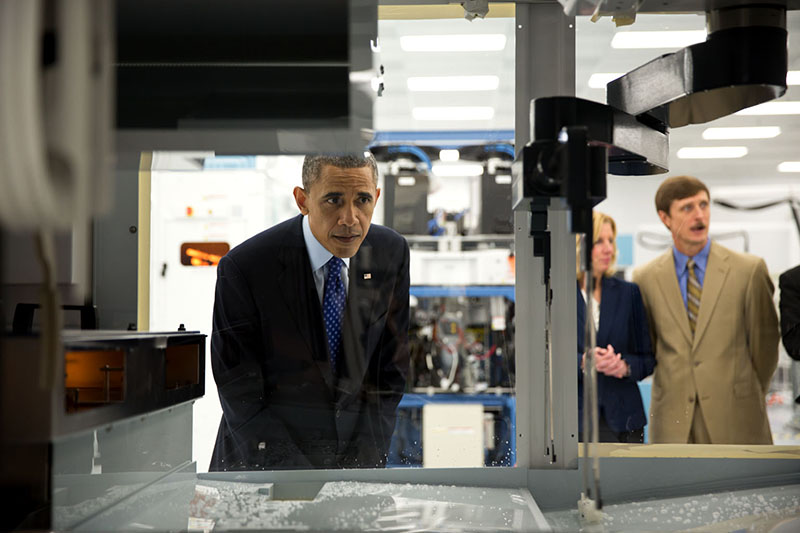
[714,328]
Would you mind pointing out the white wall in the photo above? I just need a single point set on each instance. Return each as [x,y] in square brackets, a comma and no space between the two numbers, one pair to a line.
[772,232]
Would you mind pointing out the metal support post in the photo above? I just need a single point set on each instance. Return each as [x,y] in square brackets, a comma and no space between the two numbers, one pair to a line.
[545,66]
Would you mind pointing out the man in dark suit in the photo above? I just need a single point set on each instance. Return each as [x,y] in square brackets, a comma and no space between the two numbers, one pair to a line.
[789,284]
[309,347]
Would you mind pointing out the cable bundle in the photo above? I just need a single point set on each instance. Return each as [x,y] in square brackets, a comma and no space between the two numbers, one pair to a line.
[55,119]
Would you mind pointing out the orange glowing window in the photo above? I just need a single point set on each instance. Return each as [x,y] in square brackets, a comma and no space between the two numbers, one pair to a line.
[203,253]
[182,366]
[93,378]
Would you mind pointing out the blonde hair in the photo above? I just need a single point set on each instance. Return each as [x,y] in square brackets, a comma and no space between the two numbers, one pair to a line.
[598,219]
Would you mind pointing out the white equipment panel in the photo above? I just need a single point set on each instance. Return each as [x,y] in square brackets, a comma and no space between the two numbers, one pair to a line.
[452,435]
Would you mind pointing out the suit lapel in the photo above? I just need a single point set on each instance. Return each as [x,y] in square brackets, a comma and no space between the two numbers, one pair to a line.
[609,300]
[300,296]
[671,291]
[713,281]
[362,295]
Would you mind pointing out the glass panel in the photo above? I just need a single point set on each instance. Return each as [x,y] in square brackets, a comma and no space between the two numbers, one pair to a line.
[445,187]
[202,253]
[93,378]
[182,366]
[461,369]
[224,201]
[445,145]
[641,237]
[460,386]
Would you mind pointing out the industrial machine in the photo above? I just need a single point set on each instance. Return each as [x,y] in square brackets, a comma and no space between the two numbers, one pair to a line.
[91,426]
[462,353]
[412,170]
[561,173]
[461,343]
[90,417]
[461,332]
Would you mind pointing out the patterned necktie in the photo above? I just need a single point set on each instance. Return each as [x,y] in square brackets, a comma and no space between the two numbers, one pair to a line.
[693,292]
[333,299]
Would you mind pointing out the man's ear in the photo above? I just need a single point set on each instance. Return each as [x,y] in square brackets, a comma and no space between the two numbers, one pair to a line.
[665,218]
[377,194]
[301,198]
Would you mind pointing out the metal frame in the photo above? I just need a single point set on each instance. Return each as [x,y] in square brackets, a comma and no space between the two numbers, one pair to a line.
[545,42]
[282,136]
[116,248]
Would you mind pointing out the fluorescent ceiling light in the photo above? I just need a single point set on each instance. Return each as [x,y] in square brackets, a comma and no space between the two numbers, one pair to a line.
[449,155]
[366,76]
[712,152]
[486,42]
[657,39]
[789,166]
[599,80]
[760,132]
[453,113]
[449,170]
[406,181]
[453,83]
[793,77]
[502,179]
[772,108]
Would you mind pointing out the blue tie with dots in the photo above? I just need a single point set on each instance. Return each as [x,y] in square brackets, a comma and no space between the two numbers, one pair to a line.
[333,299]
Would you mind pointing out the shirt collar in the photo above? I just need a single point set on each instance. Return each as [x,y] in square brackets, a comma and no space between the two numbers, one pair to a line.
[700,260]
[317,254]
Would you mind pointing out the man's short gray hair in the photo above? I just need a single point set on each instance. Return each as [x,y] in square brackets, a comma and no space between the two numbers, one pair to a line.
[312,165]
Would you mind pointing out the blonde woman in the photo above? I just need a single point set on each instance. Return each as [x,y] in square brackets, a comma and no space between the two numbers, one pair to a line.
[624,354]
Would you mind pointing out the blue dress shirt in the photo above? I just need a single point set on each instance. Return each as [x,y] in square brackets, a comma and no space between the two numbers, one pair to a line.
[700,261]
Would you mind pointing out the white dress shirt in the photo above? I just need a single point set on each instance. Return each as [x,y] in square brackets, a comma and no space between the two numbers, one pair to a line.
[319,256]
[595,310]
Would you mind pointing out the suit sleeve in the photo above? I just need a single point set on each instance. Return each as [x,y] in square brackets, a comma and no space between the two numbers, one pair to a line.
[789,284]
[393,360]
[394,340]
[236,348]
[761,323]
[651,326]
[641,361]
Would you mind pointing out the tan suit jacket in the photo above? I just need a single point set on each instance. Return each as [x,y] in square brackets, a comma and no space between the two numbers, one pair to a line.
[729,362]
